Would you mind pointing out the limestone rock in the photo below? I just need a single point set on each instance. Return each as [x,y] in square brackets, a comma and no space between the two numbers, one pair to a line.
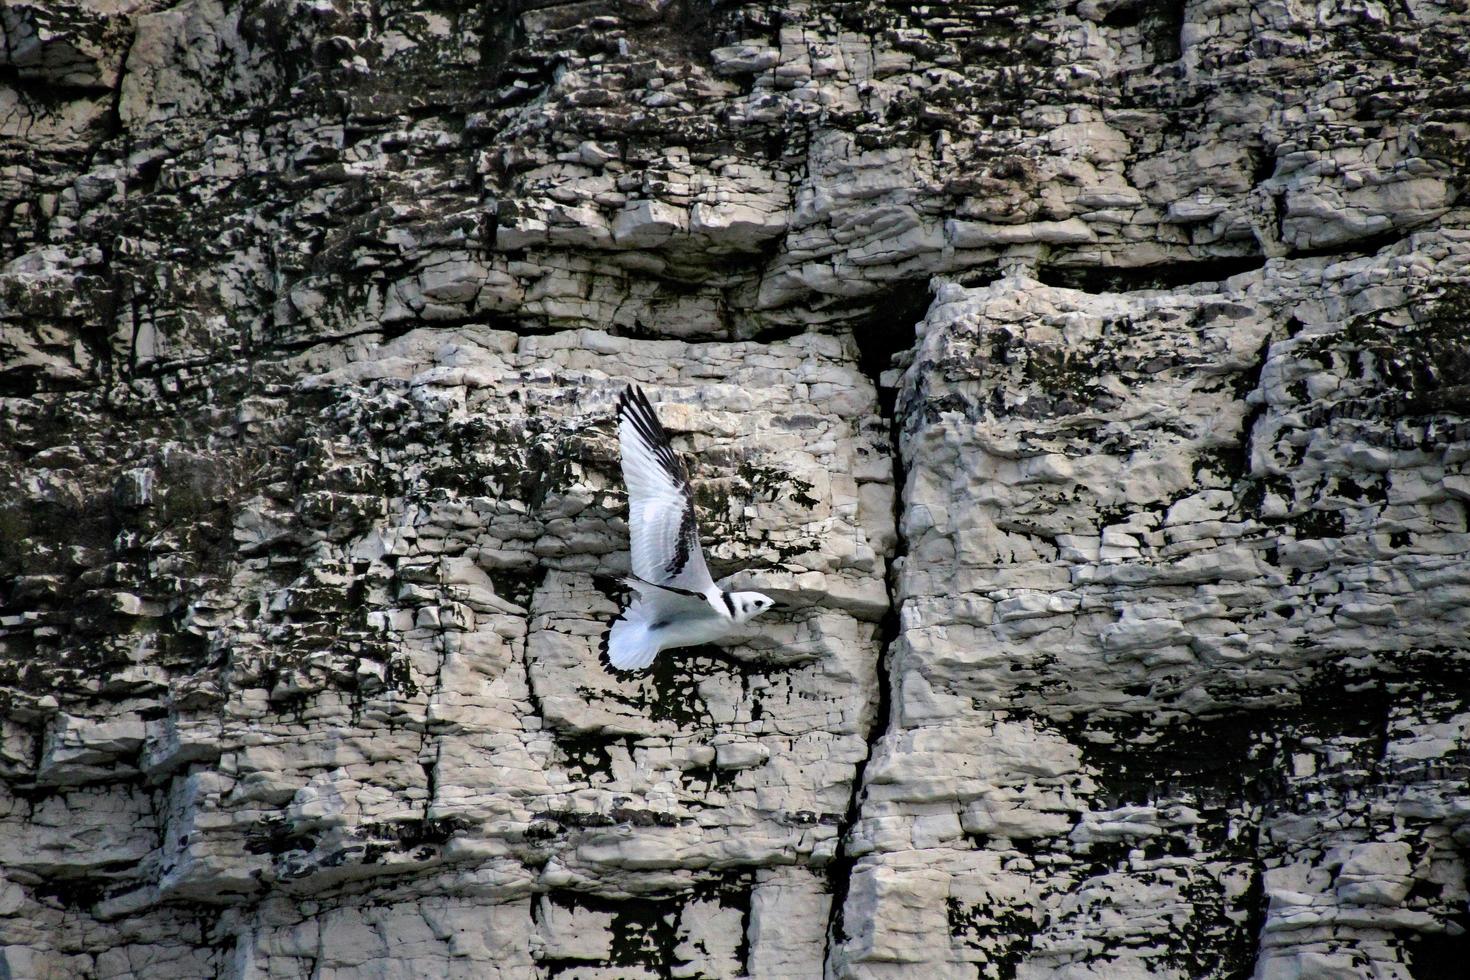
[1096,412]
[1195,599]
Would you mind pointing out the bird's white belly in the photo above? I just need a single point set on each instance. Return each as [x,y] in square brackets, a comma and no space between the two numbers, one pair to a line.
[692,632]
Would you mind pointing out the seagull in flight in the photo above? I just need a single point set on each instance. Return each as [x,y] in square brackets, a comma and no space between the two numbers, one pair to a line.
[677,603]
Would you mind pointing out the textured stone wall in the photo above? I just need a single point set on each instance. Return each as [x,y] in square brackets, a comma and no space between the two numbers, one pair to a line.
[1090,383]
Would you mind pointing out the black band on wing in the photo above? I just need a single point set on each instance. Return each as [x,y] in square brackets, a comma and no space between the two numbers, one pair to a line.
[688,540]
[690,593]
[633,405]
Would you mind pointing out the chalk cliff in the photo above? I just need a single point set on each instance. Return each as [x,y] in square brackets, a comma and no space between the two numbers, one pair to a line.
[1089,381]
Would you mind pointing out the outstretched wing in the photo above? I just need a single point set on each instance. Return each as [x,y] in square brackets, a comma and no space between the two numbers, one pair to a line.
[661,521]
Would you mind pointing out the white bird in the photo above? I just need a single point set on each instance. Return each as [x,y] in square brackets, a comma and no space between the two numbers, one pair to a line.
[678,604]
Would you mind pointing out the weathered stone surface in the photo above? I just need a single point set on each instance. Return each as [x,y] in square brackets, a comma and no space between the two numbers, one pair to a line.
[1145,657]
[1182,575]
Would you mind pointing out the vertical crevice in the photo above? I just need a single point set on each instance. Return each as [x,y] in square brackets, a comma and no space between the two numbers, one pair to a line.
[1255,903]
[114,123]
[1250,384]
[880,339]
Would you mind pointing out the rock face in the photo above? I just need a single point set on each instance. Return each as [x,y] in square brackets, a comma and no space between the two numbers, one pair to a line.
[1098,411]
[1184,609]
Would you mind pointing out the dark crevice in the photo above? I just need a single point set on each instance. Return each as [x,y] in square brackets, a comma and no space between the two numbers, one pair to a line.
[1169,31]
[1127,15]
[398,328]
[887,332]
[523,328]
[48,92]
[114,106]
[1170,276]
[1160,22]
[1248,383]
[1357,246]
[28,380]
[94,332]
[977,277]
[1433,955]
[880,339]
[778,333]
[1263,164]
[1278,212]
[1255,902]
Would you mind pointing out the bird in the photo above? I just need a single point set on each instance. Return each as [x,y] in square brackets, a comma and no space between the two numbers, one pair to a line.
[676,603]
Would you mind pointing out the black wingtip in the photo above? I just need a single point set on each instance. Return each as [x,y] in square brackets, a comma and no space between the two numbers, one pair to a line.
[631,399]
[634,406]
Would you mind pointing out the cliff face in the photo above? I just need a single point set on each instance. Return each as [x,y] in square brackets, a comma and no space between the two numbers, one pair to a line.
[1090,383]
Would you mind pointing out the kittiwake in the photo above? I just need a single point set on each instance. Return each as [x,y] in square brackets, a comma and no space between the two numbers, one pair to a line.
[677,604]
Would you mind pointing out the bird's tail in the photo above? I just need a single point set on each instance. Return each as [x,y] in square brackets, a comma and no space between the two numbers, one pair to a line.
[630,646]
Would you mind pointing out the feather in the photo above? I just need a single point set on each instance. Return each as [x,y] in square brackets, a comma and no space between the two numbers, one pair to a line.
[630,646]
[661,516]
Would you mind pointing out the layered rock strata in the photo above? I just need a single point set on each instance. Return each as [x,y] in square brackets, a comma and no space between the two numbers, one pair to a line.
[1096,408]
[1180,684]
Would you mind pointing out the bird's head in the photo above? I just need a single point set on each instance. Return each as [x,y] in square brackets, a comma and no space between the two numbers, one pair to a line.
[749,605]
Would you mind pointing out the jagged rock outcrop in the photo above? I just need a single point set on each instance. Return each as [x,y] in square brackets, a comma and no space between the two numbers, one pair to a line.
[1098,410]
[1180,683]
